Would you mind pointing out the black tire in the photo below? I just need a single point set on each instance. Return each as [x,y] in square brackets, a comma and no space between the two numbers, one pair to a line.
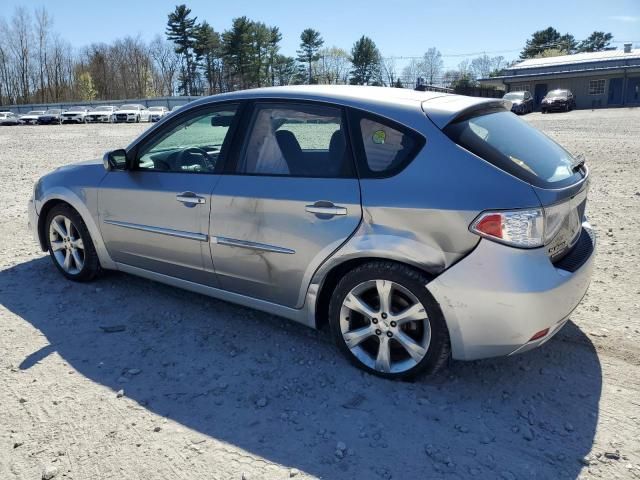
[138,119]
[439,349]
[91,266]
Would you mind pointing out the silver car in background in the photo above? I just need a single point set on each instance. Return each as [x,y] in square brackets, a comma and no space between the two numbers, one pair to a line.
[31,118]
[418,226]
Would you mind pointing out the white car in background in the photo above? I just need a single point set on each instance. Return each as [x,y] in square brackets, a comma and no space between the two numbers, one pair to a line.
[102,114]
[76,115]
[156,113]
[9,118]
[132,113]
[31,118]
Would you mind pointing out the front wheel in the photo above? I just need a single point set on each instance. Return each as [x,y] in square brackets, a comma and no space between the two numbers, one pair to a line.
[387,323]
[70,245]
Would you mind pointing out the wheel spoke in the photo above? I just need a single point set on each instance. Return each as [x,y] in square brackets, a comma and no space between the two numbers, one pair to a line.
[412,347]
[356,304]
[384,292]
[411,314]
[57,245]
[59,228]
[77,243]
[67,260]
[76,259]
[357,336]
[67,226]
[383,359]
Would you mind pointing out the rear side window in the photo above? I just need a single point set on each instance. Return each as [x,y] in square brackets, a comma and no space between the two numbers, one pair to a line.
[297,140]
[386,146]
[511,144]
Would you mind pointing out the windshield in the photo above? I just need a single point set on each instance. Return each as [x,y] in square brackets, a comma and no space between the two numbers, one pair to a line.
[36,112]
[103,109]
[557,93]
[53,112]
[510,143]
[129,107]
[155,109]
[514,96]
[76,109]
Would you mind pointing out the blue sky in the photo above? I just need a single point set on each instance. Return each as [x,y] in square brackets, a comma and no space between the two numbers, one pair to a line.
[400,28]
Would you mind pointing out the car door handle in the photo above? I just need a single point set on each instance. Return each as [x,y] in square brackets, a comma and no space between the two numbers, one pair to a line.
[325,208]
[190,198]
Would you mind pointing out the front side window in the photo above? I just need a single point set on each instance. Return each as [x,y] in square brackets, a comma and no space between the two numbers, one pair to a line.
[386,148]
[191,146]
[596,87]
[296,140]
[516,147]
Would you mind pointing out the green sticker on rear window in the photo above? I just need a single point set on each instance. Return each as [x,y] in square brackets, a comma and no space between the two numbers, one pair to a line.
[379,136]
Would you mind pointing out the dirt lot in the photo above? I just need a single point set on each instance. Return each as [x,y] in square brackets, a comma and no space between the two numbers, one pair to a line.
[211,390]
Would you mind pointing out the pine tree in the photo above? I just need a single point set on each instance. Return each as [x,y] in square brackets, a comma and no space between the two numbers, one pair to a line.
[596,42]
[310,43]
[365,58]
[181,30]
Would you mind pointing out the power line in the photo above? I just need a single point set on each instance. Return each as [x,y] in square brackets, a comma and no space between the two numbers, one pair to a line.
[492,52]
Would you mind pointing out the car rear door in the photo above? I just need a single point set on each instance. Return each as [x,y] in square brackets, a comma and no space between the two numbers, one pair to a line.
[155,216]
[289,199]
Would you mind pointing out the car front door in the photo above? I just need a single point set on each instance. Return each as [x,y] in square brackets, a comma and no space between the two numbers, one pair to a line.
[290,199]
[155,215]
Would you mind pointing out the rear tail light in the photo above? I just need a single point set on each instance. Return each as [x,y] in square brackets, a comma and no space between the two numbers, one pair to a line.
[527,228]
[518,228]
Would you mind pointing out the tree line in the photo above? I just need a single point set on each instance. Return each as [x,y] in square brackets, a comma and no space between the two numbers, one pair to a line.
[37,65]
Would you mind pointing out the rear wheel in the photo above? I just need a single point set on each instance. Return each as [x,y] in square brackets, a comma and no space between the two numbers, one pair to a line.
[70,245]
[386,322]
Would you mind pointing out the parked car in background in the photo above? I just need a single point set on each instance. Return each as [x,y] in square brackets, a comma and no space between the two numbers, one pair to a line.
[9,118]
[330,205]
[132,113]
[31,118]
[51,116]
[76,115]
[102,114]
[558,100]
[521,102]
[176,108]
[156,113]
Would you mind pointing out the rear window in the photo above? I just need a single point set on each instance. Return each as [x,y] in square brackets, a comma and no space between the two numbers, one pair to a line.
[510,143]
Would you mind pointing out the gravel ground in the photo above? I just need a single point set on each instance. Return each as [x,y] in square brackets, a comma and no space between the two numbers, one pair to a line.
[196,388]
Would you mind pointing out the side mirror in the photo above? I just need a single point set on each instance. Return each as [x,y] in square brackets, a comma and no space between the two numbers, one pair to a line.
[115,160]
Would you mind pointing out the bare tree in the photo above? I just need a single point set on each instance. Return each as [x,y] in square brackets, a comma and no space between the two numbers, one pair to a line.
[20,45]
[332,66]
[43,25]
[411,72]
[432,65]
[167,63]
[388,65]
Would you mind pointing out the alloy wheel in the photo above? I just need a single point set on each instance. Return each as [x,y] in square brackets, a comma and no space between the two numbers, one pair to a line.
[66,244]
[385,326]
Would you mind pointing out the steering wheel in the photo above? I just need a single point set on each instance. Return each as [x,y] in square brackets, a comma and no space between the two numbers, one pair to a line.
[195,156]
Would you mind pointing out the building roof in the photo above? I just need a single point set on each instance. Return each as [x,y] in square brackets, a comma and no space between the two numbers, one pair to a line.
[577,58]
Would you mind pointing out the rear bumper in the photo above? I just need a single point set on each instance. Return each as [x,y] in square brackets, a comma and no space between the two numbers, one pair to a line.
[498,297]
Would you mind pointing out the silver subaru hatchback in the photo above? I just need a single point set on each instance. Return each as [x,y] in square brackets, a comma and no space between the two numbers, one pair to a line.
[418,226]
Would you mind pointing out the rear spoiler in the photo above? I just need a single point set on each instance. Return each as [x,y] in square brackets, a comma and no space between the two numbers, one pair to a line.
[446,109]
